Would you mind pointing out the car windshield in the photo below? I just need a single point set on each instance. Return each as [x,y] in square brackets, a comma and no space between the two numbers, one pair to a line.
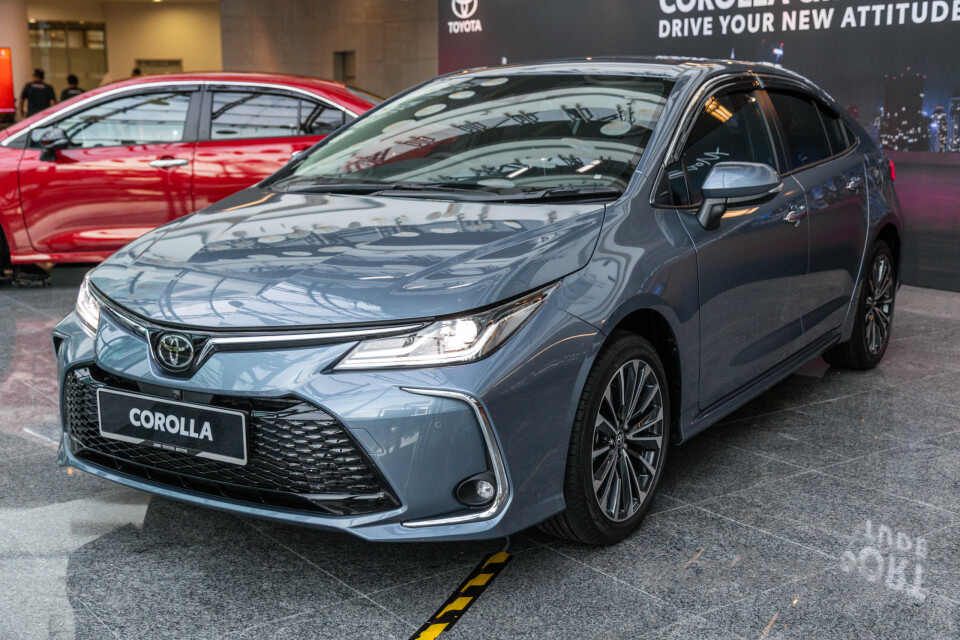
[496,135]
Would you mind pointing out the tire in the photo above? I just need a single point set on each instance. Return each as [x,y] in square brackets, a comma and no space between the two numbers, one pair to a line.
[4,256]
[623,361]
[872,325]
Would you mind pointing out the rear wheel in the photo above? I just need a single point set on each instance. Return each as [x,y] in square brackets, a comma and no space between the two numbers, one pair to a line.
[618,445]
[871,329]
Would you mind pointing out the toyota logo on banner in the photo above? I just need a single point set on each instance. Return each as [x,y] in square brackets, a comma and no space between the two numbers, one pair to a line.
[464,9]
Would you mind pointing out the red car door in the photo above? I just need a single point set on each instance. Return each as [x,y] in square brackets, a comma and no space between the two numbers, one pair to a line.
[248,133]
[128,170]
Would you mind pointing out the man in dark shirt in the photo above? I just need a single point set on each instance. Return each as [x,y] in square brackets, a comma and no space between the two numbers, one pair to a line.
[72,88]
[36,96]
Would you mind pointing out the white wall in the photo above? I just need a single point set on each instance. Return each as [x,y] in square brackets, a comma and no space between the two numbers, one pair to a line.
[76,10]
[395,40]
[163,31]
[187,31]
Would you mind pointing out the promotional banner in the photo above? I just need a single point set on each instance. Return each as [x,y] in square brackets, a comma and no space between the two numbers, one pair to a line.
[893,65]
[6,82]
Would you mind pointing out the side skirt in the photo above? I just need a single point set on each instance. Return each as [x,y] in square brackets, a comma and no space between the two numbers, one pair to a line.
[712,414]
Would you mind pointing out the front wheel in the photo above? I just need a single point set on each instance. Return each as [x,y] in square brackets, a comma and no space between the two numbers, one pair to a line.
[618,445]
[871,329]
[4,257]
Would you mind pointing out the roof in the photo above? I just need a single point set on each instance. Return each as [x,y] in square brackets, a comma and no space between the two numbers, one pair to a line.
[671,67]
[667,66]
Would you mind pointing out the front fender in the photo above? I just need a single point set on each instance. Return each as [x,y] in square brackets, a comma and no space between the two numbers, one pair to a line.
[644,260]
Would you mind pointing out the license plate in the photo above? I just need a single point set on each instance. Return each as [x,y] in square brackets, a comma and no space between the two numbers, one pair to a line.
[178,427]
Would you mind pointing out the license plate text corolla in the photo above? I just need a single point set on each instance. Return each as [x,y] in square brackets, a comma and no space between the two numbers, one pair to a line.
[180,427]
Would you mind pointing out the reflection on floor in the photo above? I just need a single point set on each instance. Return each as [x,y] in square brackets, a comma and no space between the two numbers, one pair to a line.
[829,507]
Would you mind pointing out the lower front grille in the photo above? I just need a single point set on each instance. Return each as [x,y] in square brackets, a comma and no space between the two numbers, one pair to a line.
[299,457]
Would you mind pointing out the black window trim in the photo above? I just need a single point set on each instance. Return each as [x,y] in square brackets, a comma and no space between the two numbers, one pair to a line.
[745,82]
[783,85]
[206,111]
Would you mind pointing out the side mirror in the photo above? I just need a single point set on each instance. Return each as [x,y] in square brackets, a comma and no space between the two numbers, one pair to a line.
[735,183]
[51,141]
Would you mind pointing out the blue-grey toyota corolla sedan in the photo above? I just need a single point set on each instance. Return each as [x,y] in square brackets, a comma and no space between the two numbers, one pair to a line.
[494,301]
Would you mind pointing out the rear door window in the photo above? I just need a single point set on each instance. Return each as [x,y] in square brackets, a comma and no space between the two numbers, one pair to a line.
[252,114]
[237,115]
[804,136]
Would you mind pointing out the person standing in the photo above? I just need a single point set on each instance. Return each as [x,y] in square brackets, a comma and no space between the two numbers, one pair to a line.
[73,89]
[36,95]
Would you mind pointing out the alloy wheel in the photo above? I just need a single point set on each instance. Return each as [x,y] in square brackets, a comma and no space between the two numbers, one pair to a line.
[879,304]
[627,440]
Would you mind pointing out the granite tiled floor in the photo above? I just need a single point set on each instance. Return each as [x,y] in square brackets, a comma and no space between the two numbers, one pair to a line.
[827,508]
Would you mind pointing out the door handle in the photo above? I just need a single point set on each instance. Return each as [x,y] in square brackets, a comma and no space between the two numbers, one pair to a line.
[854,183]
[797,211]
[168,163]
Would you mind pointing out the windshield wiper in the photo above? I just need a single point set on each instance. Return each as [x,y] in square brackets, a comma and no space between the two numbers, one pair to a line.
[335,187]
[419,188]
[382,188]
[565,193]
[465,193]
[412,190]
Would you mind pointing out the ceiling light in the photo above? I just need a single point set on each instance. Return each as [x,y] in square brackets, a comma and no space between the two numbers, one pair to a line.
[589,166]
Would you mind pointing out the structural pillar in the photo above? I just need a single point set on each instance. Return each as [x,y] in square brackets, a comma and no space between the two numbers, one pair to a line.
[15,34]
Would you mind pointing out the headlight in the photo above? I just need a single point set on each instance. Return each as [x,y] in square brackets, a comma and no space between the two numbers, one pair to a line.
[450,341]
[88,309]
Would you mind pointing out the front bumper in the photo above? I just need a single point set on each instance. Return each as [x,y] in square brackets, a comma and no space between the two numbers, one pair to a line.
[422,430]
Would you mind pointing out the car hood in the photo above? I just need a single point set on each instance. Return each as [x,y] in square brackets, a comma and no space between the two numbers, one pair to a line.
[264,259]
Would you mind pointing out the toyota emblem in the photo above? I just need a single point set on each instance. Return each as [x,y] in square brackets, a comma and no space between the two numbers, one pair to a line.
[463,9]
[174,351]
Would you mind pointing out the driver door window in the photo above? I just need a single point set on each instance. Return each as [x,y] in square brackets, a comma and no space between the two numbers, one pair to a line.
[731,127]
[153,118]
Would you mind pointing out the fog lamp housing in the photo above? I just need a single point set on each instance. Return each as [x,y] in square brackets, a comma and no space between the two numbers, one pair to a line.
[478,490]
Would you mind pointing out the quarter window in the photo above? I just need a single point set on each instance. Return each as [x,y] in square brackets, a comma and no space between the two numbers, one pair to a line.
[851,136]
[152,118]
[804,136]
[834,129]
[318,119]
[730,128]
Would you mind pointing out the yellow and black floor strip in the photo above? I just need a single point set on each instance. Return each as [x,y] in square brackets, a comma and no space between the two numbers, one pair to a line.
[464,597]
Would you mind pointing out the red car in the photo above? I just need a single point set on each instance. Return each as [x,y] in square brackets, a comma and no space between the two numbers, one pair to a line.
[122,159]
